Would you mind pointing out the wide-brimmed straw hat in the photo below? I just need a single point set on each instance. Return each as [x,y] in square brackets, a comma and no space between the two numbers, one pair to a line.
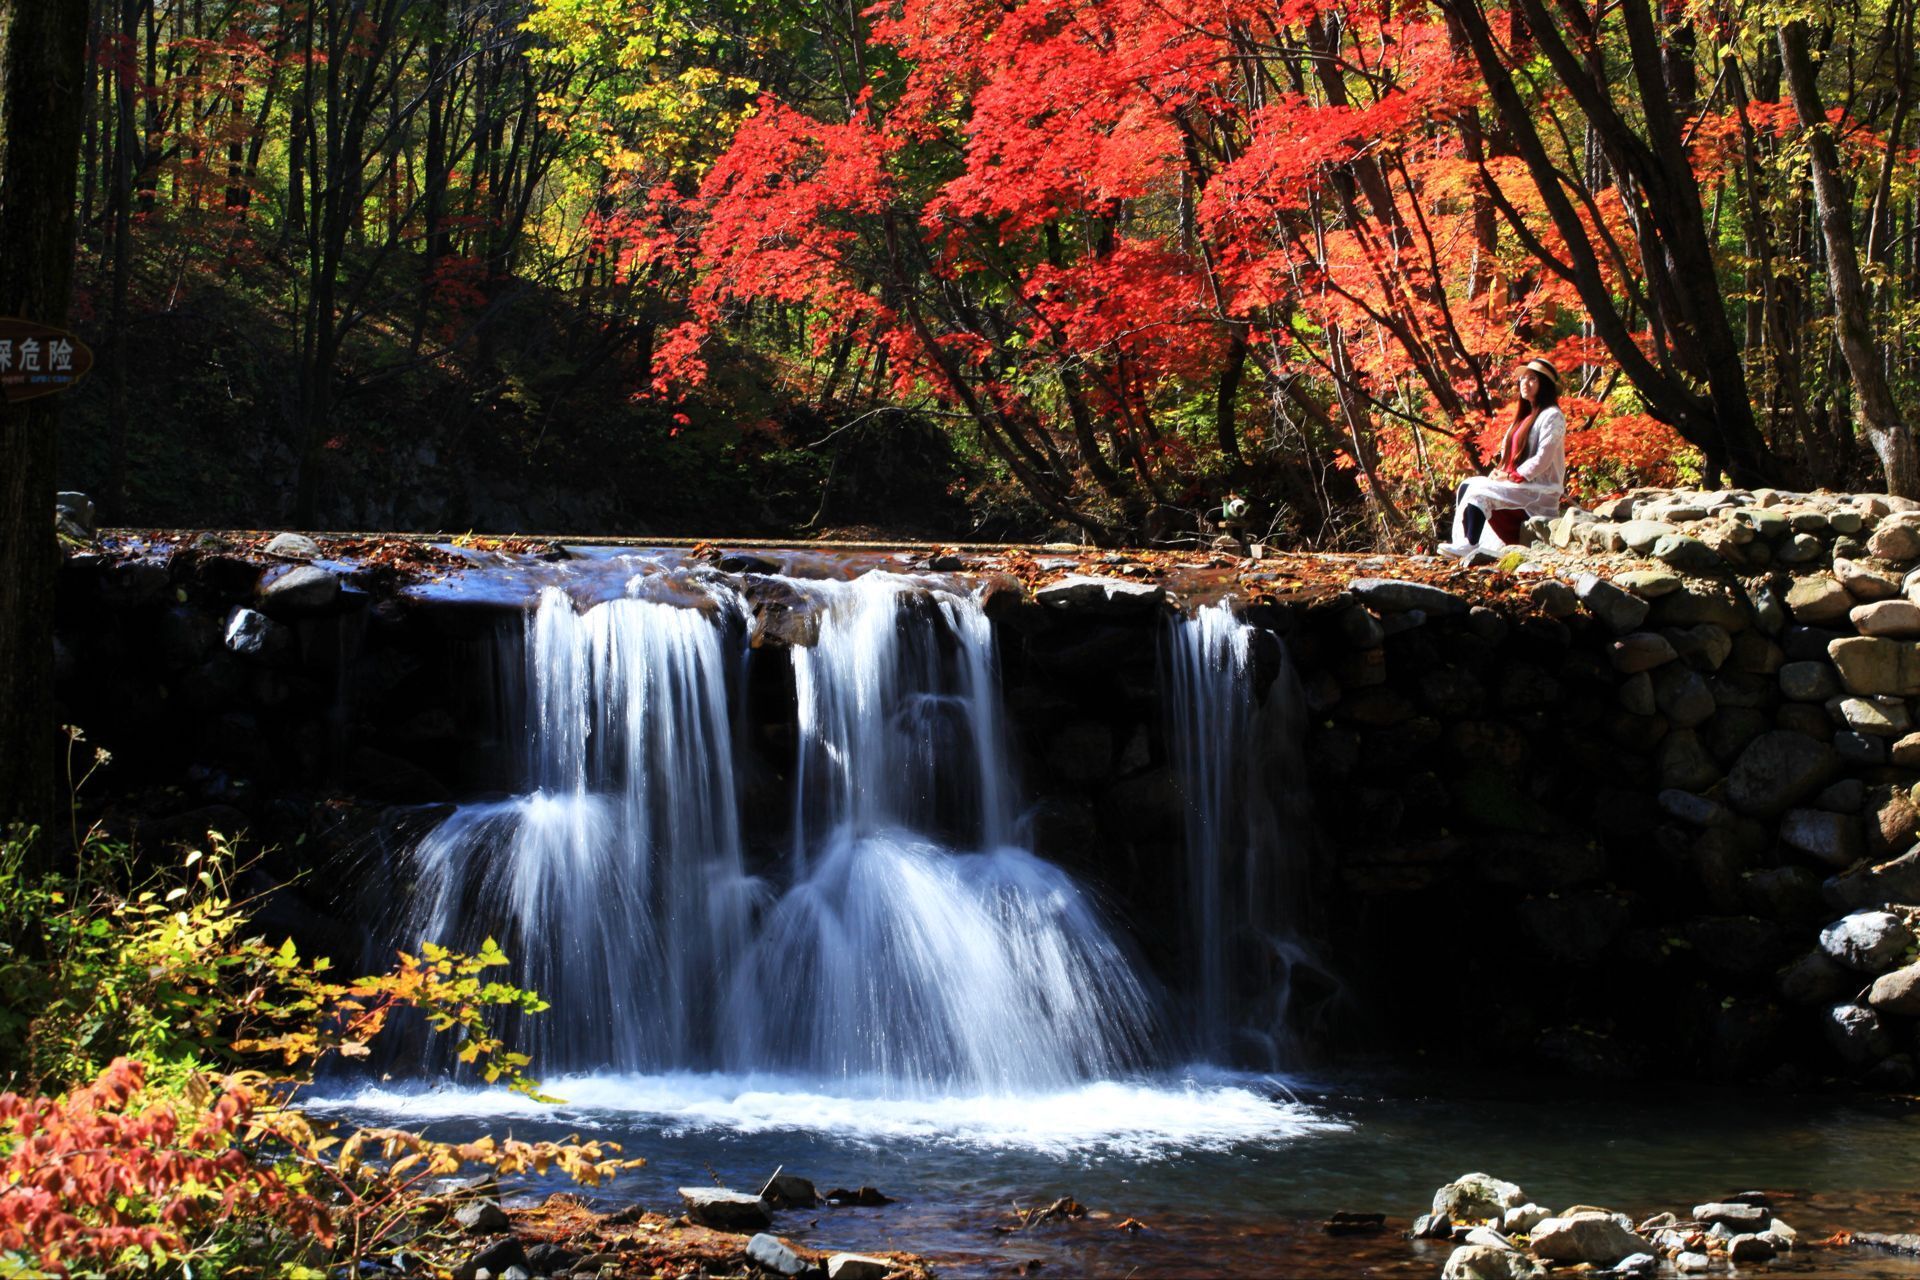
[1545,369]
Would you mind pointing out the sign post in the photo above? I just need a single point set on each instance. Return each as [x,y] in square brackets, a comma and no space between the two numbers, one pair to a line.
[39,360]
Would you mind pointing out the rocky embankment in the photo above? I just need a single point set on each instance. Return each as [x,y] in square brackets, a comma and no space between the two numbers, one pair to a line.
[1499,1234]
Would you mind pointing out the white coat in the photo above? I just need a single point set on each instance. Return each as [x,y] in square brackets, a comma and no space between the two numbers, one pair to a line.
[1543,479]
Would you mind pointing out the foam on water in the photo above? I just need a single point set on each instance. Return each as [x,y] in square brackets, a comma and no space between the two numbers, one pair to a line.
[1140,1119]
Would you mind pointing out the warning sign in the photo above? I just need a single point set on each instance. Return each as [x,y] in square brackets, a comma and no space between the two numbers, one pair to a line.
[39,360]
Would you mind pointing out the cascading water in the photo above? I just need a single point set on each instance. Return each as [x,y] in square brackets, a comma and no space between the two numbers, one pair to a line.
[1233,757]
[904,947]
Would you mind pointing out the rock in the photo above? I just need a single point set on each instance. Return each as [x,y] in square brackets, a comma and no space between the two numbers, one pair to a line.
[1489,1237]
[1867,941]
[725,1210]
[1555,598]
[77,508]
[1777,771]
[1682,696]
[1801,548]
[790,1191]
[1849,795]
[1648,584]
[1636,1264]
[1635,694]
[1895,881]
[1833,838]
[1906,752]
[494,1260]
[1739,946]
[306,589]
[483,1217]
[1484,1262]
[252,634]
[1432,1226]
[1704,648]
[1871,664]
[1784,1236]
[1522,1218]
[1695,811]
[1897,992]
[1859,748]
[546,1258]
[1808,681]
[1748,1248]
[1864,583]
[293,546]
[1810,644]
[1688,1262]
[1642,651]
[1730,1214]
[1895,619]
[1881,717]
[1621,611]
[1723,604]
[1815,978]
[857,1266]
[1394,596]
[1856,1034]
[1475,1197]
[773,1254]
[1641,535]
[1818,599]
[1895,539]
[1688,555]
[1101,595]
[1594,1237]
[1684,762]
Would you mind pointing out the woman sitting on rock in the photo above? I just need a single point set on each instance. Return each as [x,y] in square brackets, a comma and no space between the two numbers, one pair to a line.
[1529,478]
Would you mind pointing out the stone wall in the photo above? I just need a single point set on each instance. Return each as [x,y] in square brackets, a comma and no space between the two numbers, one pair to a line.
[1593,812]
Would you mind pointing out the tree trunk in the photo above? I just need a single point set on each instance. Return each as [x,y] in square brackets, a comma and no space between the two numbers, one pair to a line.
[1874,411]
[42,64]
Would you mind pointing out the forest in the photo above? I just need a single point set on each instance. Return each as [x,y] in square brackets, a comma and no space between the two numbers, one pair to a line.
[1056,268]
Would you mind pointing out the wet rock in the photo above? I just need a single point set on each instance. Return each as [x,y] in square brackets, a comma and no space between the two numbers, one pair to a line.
[790,1191]
[1636,1264]
[1595,1237]
[483,1217]
[1897,992]
[1731,1214]
[857,1266]
[725,1210]
[1475,1197]
[1394,596]
[1855,1033]
[860,1198]
[1432,1226]
[1833,838]
[1777,770]
[1782,1236]
[1101,595]
[306,589]
[1485,1262]
[773,1254]
[1688,1262]
[746,562]
[495,1259]
[1867,941]
[293,546]
[1749,1248]
[252,634]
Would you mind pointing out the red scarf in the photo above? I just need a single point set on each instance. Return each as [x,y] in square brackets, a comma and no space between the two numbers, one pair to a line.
[1517,440]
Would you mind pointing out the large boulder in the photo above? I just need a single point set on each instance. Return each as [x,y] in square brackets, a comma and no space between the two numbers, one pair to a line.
[770,1253]
[1894,619]
[1474,1197]
[1489,1262]
[1833,838]
[1391,595]
[725,1210]
[1897,992]
[1589,1236]
[1620,610]
[1101,595]
[1777,771]
[305,589]
[1856,1034]
[1818,599]
[1895,881]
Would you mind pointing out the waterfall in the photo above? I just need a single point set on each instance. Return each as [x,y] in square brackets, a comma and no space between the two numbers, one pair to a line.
[1233,756]
[902,944]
